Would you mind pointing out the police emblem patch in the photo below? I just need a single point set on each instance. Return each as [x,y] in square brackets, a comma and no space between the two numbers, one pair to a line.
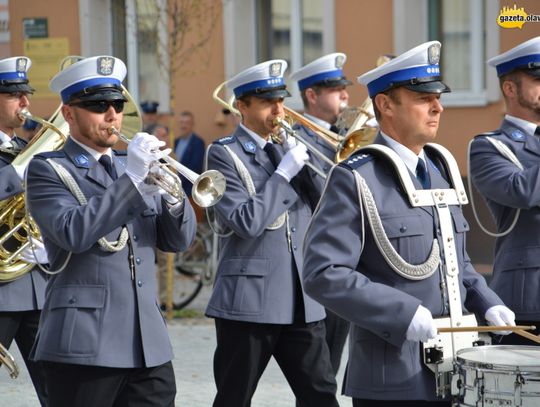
[21,65]
[81,160]
[434,54]
[250,146]
[340,60]
[275,69]
[105,66]
[517,135]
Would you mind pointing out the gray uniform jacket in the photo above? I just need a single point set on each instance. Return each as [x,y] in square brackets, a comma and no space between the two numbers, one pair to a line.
[516,269]
[95,313]
[256,279]
[27,292]
[345,271]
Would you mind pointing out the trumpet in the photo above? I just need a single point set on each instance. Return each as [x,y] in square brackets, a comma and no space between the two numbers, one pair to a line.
[9,362]
[208,188]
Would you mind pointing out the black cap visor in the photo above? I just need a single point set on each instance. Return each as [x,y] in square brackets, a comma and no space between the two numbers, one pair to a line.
[101,93]
[268,93]
[15,87]
[332,82]
[429,87]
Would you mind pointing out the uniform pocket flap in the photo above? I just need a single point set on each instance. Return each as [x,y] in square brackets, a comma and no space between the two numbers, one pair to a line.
[402,226]
[460,223]
[78,297]
[528,257]
[244,266]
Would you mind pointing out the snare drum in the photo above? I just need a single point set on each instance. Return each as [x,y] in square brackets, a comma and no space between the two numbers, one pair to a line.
[502,375]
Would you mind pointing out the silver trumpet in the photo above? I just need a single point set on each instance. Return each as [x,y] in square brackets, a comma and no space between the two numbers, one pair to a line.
[208,188]
[9,362]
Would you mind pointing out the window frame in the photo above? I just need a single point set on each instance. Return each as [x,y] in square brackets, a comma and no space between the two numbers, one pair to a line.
[408,35]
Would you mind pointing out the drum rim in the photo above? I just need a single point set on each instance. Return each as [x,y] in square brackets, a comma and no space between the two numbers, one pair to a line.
[491,366]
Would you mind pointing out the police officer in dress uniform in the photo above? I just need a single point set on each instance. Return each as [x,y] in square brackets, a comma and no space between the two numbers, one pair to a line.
[504,168]
[21,300]
[323,87]
[101,336]
[258,301]
[374,256]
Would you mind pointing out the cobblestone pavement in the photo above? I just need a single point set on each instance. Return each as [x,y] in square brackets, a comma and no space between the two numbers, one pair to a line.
[193,341]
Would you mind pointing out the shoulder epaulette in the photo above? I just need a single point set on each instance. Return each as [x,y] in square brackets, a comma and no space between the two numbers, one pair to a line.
[51,154]
[489,133]
[357,160]
[120,152]
[225,140]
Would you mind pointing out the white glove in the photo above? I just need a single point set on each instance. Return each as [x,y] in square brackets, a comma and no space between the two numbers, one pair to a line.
[290,142]
[20,170]
[293,162]
[422,326]
[142,151]
[500,315]
[36,256]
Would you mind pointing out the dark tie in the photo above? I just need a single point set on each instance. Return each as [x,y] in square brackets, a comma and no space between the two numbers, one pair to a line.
[537,131]
[105,160]
[334,128]
[422,174]
[274,153]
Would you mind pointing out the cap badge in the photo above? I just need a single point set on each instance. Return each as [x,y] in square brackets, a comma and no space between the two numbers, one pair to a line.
[21,65]
[105,66]
[275,69]
[434,54]
[340,60]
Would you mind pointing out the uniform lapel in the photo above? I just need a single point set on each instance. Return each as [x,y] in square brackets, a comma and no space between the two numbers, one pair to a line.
[84,161]
[252,149]
[516,133]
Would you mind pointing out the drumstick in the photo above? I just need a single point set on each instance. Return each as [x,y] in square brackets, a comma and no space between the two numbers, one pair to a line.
[486,328]
[528,335]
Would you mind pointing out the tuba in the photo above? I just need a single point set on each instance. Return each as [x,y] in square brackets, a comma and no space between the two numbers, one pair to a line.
[15,226]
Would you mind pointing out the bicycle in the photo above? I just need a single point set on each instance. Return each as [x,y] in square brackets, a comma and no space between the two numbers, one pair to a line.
[195,267]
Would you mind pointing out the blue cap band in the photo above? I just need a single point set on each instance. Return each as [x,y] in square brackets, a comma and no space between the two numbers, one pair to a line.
[77,87]
[386,81]
[7,76]
[520,62]
[265,84]
[311,80]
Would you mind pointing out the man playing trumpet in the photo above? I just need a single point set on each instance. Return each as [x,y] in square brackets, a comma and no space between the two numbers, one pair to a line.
[102,337]
[258,302]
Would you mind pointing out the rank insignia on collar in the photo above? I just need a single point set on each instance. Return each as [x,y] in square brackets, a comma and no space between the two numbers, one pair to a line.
[275,69]
[105,66]
[21,65]
[250,146]
[81,160]
[517,135]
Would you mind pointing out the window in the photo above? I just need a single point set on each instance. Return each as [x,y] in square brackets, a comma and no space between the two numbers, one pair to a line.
[298,31]
[468,32]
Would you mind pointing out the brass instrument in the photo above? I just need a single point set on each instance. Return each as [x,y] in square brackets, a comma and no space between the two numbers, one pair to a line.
[15,226]
[9,362]
[227,105]
[208,188]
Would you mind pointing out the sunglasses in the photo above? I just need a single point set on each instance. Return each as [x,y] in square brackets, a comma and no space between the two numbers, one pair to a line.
[101,106]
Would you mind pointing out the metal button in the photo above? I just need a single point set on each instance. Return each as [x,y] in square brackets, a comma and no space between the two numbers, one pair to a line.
[138,260]
[72,300]
[294,247]
[403,228]
[135,238]
[293,229]
[286,201]
[139,283]
[243,269]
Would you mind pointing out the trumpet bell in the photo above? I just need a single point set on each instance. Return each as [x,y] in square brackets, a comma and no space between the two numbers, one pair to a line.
[208,188]
[354,141]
